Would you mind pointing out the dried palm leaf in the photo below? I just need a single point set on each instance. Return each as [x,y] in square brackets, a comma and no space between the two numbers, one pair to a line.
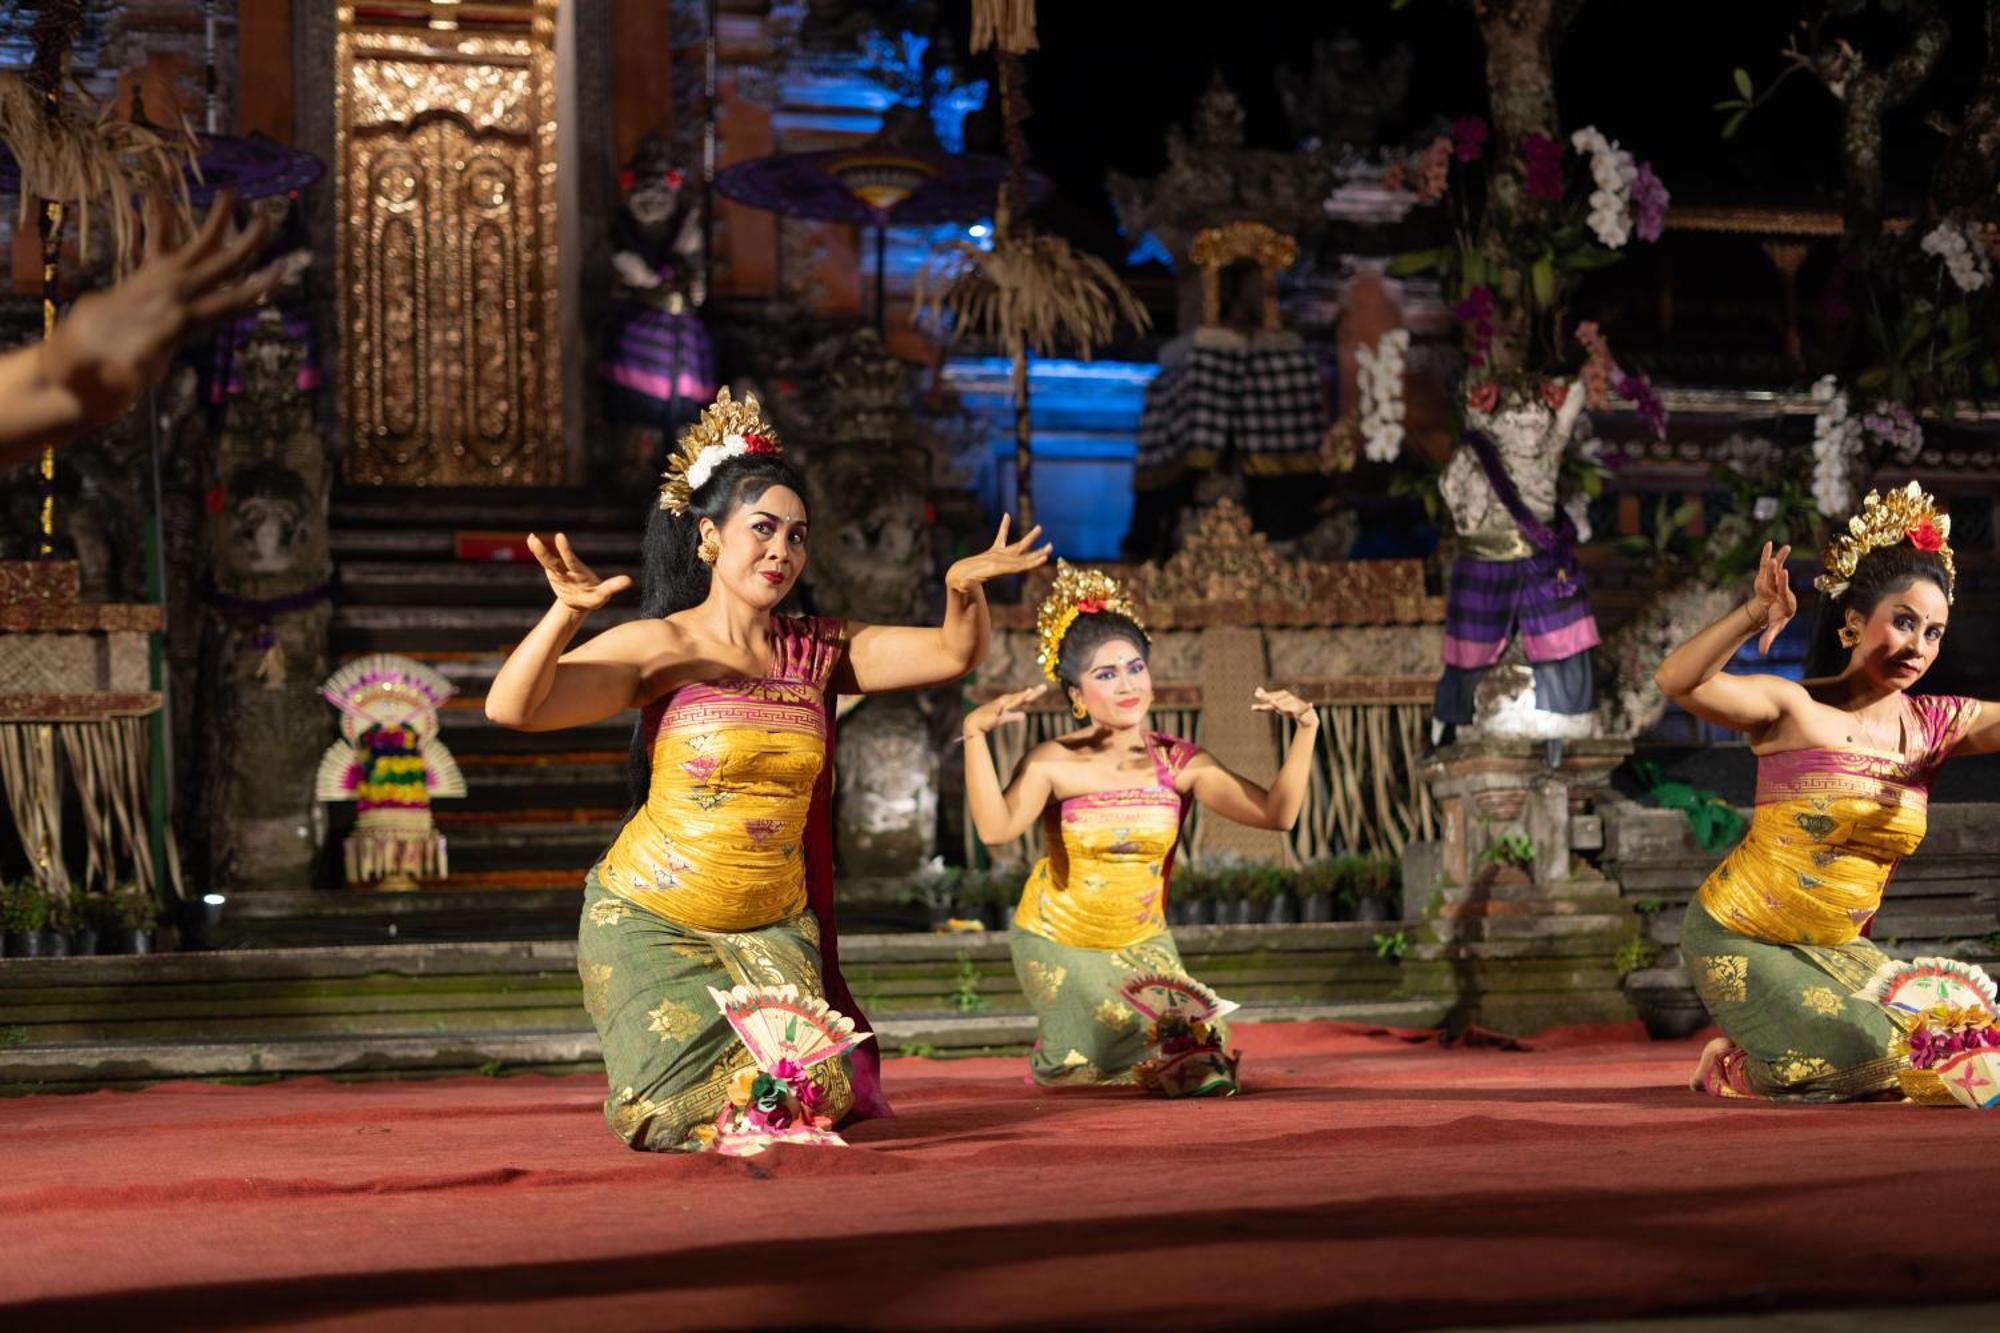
[86,163]
[1030,292]
[1008,24]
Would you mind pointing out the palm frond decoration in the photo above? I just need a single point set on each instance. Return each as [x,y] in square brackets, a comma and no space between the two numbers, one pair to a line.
[89,162]
[1031,291]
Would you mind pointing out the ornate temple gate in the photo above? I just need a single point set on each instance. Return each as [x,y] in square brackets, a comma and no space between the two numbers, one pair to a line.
[445,151]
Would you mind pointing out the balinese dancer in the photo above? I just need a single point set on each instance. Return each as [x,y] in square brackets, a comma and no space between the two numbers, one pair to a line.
[1110,797]
[1776,939]
[721,876]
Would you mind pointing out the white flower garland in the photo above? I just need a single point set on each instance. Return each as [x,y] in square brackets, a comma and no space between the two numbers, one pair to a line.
[712,457]
[1837,443]
[1379,376]
[1958,245]
[1613,171]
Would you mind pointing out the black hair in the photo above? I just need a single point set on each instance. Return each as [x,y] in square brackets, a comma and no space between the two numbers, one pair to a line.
[1882,572]
[673,577]
[1090,631]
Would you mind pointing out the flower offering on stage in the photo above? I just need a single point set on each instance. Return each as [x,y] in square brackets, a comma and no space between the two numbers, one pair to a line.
[1953,1040]
[1187,1058]
[776,1099]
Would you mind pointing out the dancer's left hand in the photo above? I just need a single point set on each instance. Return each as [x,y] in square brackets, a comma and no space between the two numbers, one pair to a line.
[998,560]
[1303,715]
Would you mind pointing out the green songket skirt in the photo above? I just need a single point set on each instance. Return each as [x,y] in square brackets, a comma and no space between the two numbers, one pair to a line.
[668,1052]
[1791,1008]
[1086,1034]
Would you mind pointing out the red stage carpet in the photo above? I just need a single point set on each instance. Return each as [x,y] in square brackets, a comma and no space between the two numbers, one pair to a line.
[1383,1182]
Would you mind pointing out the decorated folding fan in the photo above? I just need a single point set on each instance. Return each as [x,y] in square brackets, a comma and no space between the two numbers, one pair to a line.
[390,762]
[1187,1059]
[776,1100]
[1953,1042]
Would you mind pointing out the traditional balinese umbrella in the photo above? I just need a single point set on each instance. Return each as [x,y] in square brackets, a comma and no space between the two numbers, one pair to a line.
[899,177]
[255,166]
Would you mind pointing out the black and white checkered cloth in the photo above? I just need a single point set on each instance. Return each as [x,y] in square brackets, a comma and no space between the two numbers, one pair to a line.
[1268,404]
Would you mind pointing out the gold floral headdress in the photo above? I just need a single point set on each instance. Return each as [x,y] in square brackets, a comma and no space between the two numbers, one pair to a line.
[1076,592]
[727,429]
[1906,514]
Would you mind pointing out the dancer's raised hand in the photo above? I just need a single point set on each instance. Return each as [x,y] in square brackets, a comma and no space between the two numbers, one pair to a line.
[1772,601]
[1001,711]
[998,560]
[572,581]
[1303,715]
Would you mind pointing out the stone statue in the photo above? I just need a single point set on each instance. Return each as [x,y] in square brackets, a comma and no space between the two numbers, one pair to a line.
[265,584]
[1515,578]
[871,562]
[659,360]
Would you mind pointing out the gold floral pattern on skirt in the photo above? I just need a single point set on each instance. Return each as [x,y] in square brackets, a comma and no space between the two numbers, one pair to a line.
[1045,982]
[1115,1016]
[608,911]
[673,1020]
[1797,1067]
[1822,1000]
[596,987]
[1722,979]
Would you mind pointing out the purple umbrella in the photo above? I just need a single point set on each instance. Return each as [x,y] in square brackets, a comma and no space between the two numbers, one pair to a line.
[899,177]
[255,166]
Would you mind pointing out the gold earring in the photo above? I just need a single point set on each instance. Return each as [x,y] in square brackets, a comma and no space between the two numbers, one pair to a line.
[1848,636]
[709,549]
[1076,707]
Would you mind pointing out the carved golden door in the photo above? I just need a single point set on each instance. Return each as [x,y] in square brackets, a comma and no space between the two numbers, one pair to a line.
[446,159]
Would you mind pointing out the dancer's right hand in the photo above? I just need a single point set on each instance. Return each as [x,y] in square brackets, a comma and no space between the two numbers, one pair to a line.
[1772,601]
[998,712]
[572,581]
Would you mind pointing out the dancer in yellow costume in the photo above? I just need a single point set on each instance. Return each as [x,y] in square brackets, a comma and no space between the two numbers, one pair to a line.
[1776,940]
[721,875]
[1110,797]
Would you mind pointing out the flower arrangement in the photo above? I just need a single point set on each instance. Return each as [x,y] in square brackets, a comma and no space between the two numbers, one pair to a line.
[1964,249]
[1843,443]
[1944,1030]
[1525,227]
[1380,372]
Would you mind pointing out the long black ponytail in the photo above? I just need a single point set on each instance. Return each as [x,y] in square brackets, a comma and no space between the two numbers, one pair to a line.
[1881,573]
[673,577]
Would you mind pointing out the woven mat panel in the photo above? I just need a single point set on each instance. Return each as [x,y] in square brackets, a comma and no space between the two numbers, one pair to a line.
[1232,667]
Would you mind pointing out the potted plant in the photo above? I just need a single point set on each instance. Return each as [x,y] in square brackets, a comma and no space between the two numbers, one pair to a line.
[138,913]
[1315,890]
[1274,888]
[97,918]
[1376,882]
[61,921]
[24,910]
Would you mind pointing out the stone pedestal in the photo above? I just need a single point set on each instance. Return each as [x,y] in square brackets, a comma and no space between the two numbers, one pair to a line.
[1519,949]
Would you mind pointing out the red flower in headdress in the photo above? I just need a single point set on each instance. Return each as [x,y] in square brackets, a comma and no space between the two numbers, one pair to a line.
[627,179]
[1925,537]
[674,179]
[757,444]
[1553,393]
[1483,397]
[1090,606]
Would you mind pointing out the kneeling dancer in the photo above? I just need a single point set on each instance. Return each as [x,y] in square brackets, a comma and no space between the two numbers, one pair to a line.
[1112,1001]
[1775,939]
[721,877]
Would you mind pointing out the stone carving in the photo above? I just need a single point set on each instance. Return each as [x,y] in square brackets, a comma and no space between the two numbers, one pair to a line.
[258,723]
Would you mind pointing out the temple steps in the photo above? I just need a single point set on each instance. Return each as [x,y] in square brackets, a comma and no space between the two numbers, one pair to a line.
[540,806]
[396,1010]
